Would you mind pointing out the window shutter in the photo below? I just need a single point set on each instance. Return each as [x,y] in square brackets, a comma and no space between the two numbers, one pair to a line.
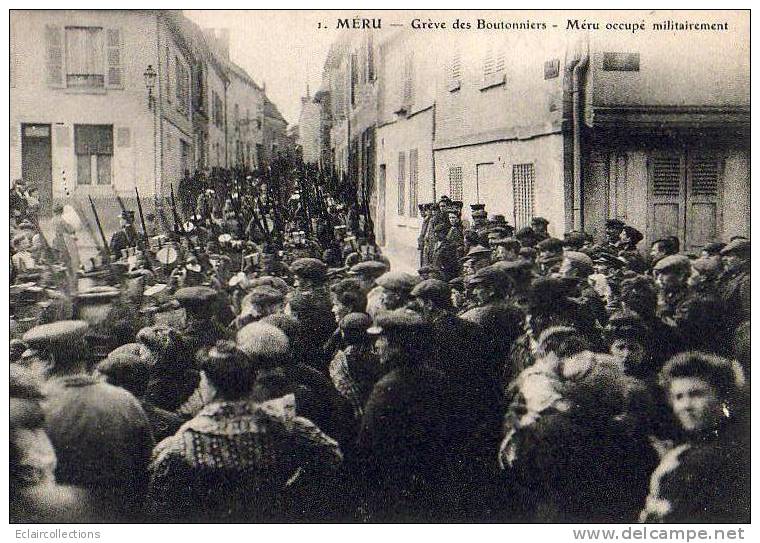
[54,43]
[413,182]
[666,175]
[523,179]
[488,63]
[704,198]
[114,67]
[401,182]
[408,80]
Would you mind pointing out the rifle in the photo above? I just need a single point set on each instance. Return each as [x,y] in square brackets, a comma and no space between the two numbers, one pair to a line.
[100,227]
[179,228]
[145,230]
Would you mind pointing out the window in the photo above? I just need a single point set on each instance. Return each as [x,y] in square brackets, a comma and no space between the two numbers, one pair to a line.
[523,179]
[183,86]
[494,66]
[237,117]
[184,149]
[94,151]
[401,182]
[413,182]
[455,72]
[455,183]
[84,58]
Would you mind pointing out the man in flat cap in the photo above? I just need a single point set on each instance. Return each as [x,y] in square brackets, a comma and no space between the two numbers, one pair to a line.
[671,275]
[549,255]
[476,258]
[579,266]
[734,283]
[260,302]
[612,230]
[126,236]
[393,291]
[201,328]
[237,444]
[505,249]
[403,444]
[100,433]
[540,228]
[367,273]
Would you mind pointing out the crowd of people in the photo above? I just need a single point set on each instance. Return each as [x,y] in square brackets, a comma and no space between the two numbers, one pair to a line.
[219,370]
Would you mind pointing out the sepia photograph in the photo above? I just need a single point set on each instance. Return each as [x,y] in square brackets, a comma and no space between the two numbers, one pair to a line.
[379,267]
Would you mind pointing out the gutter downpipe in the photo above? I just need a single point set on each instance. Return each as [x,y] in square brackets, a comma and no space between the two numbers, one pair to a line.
[578,70]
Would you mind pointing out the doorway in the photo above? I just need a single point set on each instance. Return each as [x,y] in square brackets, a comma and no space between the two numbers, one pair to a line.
[37,162]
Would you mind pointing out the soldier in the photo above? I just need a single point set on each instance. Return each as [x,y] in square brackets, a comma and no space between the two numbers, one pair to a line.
[126,236]
[540,228]
[426,214]
[456,232]
[445,252]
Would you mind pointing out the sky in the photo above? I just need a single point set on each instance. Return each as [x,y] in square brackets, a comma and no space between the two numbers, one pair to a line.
[283,49]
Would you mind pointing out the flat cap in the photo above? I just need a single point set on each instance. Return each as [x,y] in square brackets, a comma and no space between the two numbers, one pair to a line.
[270,281]
[309,268]
[369,269]
[539,220]
[55,333]
[259,339]
[514,268]
[490,275]
[477,251]
[579,259]
[510,243]
[545,291]
[134,349]
[194,296]
[575,239]
[160,338]
[263,295]
[673,263]
[736,247]
[399,321]
[432,289]
[123,366]
[550,244]
[707,265]
[355,323]
[397,281]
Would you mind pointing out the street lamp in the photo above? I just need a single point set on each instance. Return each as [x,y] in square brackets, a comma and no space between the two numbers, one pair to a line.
[150,82]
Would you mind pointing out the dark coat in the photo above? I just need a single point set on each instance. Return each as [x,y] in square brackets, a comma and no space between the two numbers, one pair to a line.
[734,289]
[445,257]
[402,451]
[123,239]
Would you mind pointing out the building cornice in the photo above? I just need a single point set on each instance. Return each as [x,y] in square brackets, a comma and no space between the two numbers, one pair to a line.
[503,134]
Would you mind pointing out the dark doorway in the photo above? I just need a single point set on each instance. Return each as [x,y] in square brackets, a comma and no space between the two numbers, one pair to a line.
[37,162]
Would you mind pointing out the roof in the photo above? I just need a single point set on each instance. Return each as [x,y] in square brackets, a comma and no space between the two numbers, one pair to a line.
[242,74]
[270,110]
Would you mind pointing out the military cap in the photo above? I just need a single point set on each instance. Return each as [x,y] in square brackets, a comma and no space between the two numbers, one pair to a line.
[673,263]
[539,220]
[195,296]
[478,207]
[55,333]
[402,321]
[397,281]
[477,251]
[444,198]
[259,339]
[127,215]
[369,269]
[479,214]
[737,247]
[355,323]
[263,295]
[550,244]
[309,268]
[615,223]
[432,289]
[498,219]
[580,260]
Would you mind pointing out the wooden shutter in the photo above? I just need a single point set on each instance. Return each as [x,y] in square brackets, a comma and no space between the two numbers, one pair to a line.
[408,90]
[704,187]
[413,182]
[666,194]
[455,183]
[54,44]
[114,61]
